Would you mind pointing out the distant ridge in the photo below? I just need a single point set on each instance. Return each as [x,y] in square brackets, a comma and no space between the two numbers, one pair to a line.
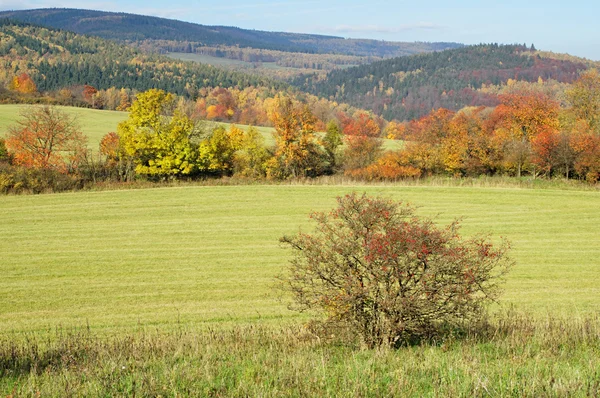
[132,28]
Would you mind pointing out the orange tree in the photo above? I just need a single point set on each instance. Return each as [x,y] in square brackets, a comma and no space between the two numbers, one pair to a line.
[46,138]
[297,150]
[373,267]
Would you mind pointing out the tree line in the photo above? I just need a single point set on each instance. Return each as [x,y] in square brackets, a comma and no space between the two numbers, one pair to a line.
[527,134]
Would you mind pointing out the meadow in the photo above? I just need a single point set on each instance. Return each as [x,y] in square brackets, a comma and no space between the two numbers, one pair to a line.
[170,291]
[206,255]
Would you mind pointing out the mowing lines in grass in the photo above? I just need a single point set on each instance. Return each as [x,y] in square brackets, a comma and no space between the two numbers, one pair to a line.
[209,254]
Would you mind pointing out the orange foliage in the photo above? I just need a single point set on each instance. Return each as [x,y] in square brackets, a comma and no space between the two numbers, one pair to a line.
[46,138]
[109,146]
[525,114]
[391,166]
[362,125]
[587,147]
[23,84]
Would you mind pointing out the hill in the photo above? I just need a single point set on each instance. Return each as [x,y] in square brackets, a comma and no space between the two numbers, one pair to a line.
[409,87]
[132,27]
[56,59]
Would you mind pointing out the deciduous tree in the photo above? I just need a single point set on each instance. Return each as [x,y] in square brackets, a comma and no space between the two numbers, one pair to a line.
[157,141]
[47,138]
[297,151]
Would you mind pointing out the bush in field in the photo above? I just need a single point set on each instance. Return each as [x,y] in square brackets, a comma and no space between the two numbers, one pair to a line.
[373,267]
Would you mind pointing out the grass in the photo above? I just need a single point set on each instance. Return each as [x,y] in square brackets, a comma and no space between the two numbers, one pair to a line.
[168,291]
[514,356]
[199,256]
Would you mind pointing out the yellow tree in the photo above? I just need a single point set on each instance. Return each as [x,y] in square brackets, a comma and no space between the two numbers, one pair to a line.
[23,84]
[155,140]
[518,120]
[585,98]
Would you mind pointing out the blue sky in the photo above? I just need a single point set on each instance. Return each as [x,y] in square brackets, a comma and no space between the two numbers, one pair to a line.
[553,25]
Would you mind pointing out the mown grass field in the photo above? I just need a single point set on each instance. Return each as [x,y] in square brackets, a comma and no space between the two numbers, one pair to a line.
[208,255]
[169,292]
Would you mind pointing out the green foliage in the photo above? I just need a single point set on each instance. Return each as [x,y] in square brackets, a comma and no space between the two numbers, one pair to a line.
[373,267]
[4,156]
[251,158]
[216,153]
[332,141]
[58,59]
[157,142]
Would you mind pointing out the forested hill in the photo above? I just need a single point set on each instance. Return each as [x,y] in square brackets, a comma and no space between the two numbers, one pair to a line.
[56,59]
[409,87]
[132,28]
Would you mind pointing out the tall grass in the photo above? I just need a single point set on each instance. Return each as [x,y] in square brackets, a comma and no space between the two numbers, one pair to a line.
[512,356]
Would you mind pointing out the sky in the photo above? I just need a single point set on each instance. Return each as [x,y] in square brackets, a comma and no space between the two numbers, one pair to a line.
[564,27]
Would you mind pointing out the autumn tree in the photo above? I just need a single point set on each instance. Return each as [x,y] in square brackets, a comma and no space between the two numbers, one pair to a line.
[297,151]
[251,157]
[584,96]
[23,84]
[46,138]
[376,269]
[520,117]
[216,153]
[363,142]
[158,141]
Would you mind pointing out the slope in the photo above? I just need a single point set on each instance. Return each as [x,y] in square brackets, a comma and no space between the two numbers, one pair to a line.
[131,27]
[409,87]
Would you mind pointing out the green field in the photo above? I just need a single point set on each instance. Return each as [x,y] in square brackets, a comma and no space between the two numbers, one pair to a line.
[207,255]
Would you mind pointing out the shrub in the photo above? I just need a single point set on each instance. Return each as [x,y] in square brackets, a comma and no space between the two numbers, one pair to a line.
[373,267]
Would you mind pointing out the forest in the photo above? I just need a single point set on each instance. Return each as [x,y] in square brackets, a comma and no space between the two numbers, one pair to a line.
[406,88]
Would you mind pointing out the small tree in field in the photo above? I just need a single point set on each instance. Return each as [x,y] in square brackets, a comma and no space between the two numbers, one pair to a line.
[375,268]
[46,138]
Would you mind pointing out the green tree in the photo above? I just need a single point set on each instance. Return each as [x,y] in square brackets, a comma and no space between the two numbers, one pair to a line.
[250,160]
[376,269]
[331,142]
[157,141]
[216,153]
[4,157]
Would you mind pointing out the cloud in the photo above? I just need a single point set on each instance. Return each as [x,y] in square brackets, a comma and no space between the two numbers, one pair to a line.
[384,29]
